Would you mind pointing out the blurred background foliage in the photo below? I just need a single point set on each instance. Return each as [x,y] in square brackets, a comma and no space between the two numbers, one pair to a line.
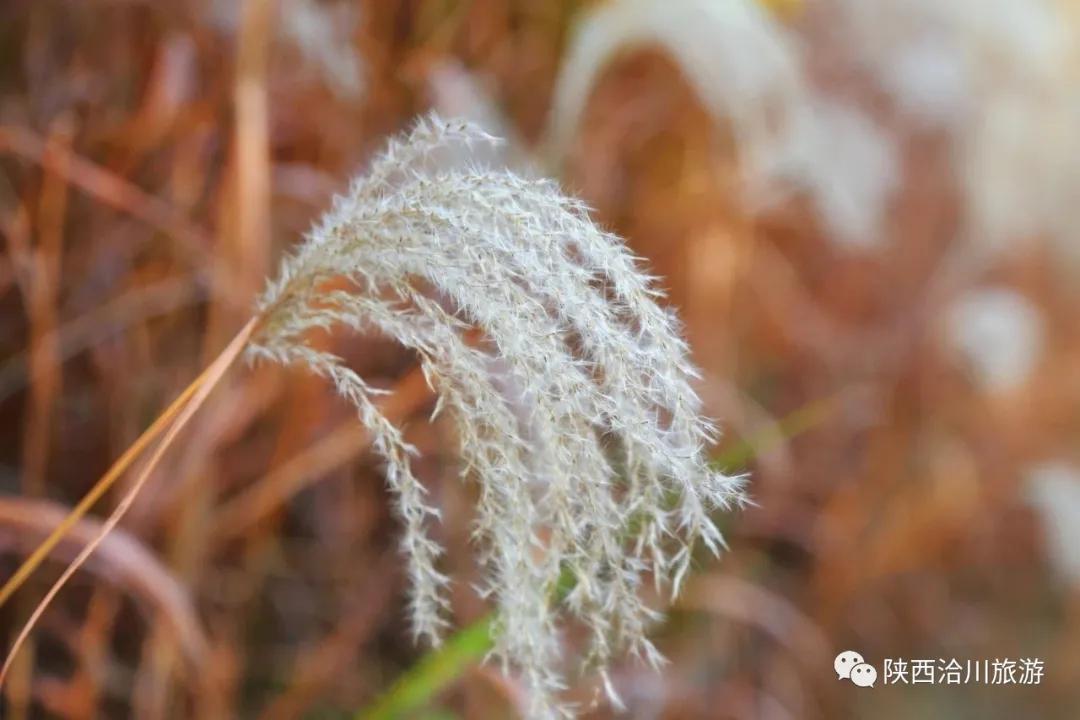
[864,211]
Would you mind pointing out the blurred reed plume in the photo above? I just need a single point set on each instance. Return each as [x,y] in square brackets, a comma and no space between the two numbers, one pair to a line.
[999,79]
[748,72]
[575,413]
[742,65]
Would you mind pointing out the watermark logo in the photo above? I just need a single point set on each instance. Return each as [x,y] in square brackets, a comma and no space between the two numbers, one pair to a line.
[850,665]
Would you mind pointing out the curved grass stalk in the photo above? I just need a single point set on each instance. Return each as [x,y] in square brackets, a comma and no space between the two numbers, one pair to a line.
[175,417]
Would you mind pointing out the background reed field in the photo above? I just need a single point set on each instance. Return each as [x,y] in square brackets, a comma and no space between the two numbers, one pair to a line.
[863,211]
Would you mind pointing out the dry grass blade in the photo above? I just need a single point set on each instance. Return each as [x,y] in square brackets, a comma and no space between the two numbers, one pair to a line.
[98,182]
[199,391]
[82,332]
[100,488]
[121,558]
[252,147]
[106,187]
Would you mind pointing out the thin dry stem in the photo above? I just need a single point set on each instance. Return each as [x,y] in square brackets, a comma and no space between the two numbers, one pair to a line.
[186,405]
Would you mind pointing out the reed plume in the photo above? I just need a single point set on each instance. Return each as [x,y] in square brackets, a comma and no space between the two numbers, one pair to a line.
[576,414]
[749,72]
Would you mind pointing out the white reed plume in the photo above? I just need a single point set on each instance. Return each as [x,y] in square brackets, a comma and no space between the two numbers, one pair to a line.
[738,61]
[999,334]
[747,70]
[576,414]
[1000,78]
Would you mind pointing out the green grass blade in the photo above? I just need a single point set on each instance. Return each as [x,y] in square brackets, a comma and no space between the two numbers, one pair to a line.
[435,671]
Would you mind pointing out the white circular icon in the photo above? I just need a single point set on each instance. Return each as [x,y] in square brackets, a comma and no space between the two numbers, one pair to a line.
[864,675]
[845,661]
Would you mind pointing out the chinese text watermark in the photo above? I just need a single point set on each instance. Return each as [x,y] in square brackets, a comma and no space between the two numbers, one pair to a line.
[850,665]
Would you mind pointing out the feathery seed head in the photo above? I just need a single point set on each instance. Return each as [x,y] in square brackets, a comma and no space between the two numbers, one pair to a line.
[577,419]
